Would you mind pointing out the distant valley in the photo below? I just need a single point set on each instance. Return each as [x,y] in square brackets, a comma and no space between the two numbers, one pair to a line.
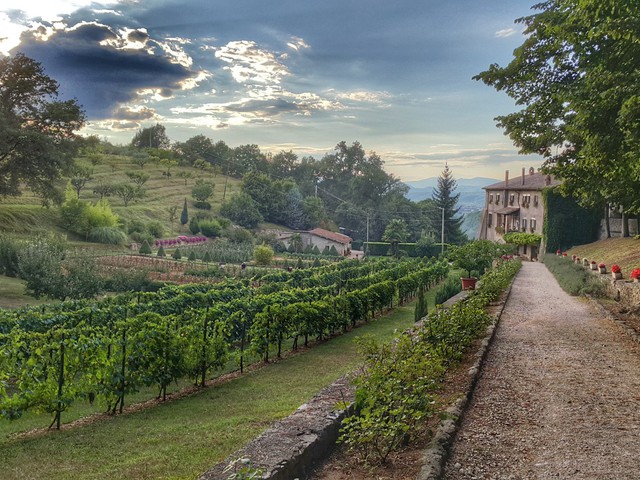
[471,200]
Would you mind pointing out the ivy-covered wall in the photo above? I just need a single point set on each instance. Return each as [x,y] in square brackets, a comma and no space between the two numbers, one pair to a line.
[566,223]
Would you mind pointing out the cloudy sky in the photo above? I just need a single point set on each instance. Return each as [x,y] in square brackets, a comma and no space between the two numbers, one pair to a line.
[297,75]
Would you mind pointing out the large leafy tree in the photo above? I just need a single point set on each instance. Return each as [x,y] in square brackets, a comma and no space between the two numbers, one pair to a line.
[445,198]
[151,137]
[395,233]
[577,77]
[37,139]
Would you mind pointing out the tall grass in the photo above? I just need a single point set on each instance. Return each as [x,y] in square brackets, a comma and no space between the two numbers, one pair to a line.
[573,278]
[450,287]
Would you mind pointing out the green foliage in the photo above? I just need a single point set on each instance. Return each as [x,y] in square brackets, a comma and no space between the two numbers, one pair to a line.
[421,306]
[238,235]
[37,141]
[210,228]
[49,272]
[184,216]
[444,198]
[145,248]
[128,193]
[82,218]
[192,256]
[161,252]
[9,248]
[566,223]
[202,191]
[581,114]
[107,235]
[394,394]
[333,251]
[392,397]
[263,255]
[242,210]
[151,137]
[573,278]
[155,228]
[522,238]
[474,256]
[177,255]
[446,290]
[241,469]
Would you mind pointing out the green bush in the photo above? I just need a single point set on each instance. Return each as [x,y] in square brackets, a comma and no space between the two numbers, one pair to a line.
[450,287]
[238,235]
[9,248]
[161,252]
[573,278]
[210,228]
[177,254]
[136,226]
[156,229]
[263,255]
[145,248]
[107,235]
[141,237]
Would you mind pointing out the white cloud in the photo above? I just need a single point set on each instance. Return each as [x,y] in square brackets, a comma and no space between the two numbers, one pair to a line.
[249,63]
[506,32]
[365,96]
[297,44]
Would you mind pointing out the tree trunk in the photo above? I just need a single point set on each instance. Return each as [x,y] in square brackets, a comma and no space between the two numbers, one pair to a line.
[625,224]
[607,223]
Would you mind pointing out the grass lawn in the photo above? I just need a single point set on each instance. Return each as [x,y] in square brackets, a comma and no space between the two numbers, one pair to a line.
[12,294]
[622,251]
[185,437]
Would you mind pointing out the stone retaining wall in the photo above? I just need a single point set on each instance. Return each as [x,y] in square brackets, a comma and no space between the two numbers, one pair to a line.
[623,291]
[292,445]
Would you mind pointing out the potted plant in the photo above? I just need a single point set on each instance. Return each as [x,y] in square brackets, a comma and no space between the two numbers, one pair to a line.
[585,262]
[602,268]
[564,254]
[594,265]
[635,274]
[558,253]
[616,273]
[577,260]
[475,256]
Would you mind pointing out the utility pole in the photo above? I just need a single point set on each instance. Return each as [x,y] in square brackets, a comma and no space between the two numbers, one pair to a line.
[367,247]
[442,232]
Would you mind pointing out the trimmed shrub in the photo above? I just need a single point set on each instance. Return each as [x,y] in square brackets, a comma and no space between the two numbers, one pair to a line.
[161,252]
[177,254]
[263,255]
[145,248]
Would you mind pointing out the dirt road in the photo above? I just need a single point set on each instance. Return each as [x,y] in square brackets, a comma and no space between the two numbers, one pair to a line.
[559,395]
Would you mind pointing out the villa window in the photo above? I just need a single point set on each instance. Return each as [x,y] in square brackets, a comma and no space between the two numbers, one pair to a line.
[497,199]
[490,220]
[524,224]
[490,198]
[533,224]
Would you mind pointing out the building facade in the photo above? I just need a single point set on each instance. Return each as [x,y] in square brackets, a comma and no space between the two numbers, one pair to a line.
[515,205]
[321,238]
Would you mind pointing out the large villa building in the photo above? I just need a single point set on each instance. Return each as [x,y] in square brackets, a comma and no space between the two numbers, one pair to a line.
[515,205]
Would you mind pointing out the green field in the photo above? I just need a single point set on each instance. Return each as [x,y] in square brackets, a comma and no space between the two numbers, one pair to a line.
[183,438]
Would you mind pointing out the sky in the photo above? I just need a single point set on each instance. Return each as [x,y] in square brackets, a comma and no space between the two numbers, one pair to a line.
[296,75]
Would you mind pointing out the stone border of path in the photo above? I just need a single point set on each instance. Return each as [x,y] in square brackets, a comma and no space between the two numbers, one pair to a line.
[290,447]
[436,454]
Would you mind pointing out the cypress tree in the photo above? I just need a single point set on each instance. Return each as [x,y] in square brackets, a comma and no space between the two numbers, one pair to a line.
[161,252]
[444,197]
[184,217]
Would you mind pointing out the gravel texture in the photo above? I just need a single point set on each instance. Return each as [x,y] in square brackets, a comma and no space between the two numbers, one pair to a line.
[559,393]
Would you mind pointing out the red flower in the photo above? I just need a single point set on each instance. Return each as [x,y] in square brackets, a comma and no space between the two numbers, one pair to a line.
[601,265]
[635,273]
[593,262]
[615,269]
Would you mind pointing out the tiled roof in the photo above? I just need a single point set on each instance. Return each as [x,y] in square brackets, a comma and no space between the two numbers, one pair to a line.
[535,181]
[336,237]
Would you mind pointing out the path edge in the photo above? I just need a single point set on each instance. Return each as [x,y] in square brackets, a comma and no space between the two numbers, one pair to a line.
[437,452]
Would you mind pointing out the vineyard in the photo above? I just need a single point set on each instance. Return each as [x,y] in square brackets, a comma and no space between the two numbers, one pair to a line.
[53,356]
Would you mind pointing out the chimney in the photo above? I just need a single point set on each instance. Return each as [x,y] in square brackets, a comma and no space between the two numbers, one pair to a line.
[506,178]
[522,175]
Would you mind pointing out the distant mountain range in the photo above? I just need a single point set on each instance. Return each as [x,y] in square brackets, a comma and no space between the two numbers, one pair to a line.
[471,198]
[470,190]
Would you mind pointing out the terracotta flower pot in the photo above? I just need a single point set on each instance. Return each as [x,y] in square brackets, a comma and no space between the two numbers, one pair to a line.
[616,275]
[469,283]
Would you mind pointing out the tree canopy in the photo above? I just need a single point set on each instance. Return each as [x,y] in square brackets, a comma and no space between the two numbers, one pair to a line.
[577,76]
[37,139]
[444,198]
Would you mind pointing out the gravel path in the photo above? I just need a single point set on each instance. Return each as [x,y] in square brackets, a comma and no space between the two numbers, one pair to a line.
[559,395]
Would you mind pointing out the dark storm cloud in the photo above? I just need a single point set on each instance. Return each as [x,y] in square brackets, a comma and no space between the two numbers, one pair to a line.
[100,76]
